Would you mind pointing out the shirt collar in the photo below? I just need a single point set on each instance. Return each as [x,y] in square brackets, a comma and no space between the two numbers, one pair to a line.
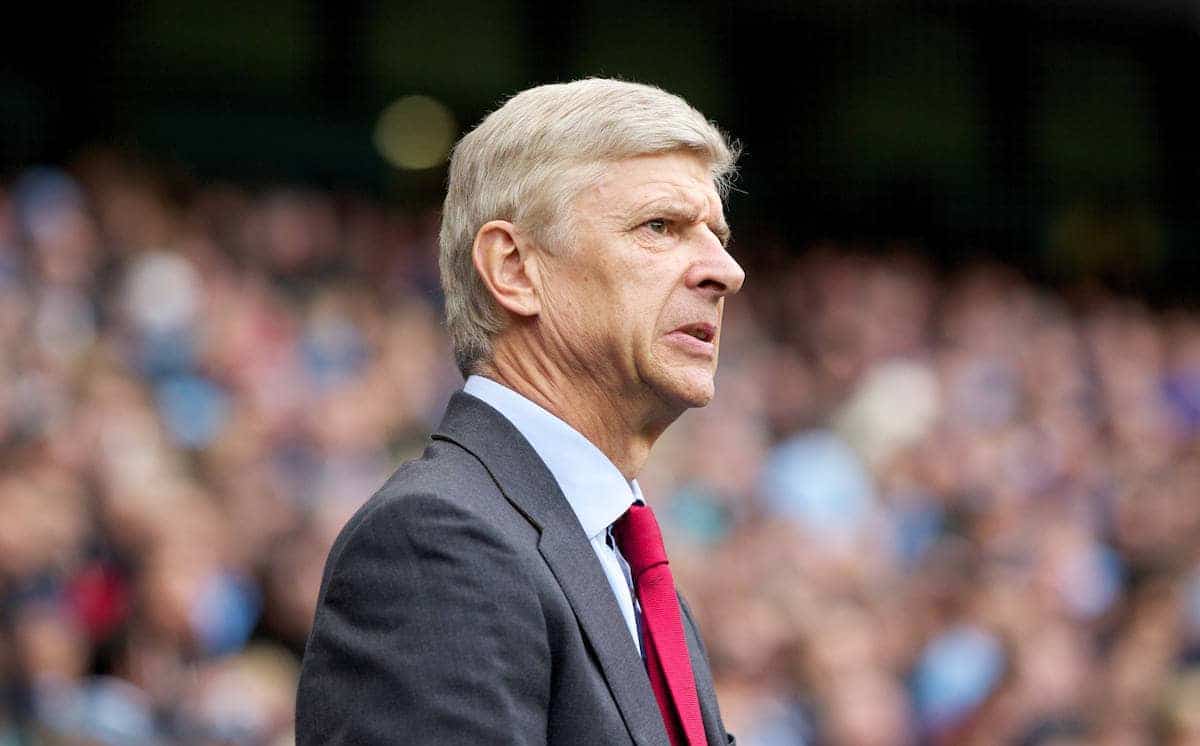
[595,489]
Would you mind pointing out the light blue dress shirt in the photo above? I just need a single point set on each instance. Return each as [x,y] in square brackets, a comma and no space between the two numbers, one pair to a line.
[594,487]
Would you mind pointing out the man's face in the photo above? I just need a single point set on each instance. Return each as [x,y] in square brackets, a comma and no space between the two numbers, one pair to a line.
[634,301]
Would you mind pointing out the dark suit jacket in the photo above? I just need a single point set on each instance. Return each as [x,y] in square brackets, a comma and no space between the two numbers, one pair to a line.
[464,604]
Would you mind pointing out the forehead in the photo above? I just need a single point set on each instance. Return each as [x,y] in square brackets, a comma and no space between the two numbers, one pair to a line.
[679,179]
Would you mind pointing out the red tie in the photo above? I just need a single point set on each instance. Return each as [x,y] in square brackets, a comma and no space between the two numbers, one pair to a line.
[666,651]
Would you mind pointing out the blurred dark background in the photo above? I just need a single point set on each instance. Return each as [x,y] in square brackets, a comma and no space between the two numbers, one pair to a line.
[1058,136]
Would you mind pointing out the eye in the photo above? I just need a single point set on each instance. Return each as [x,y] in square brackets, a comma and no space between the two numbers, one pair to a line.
[658,225]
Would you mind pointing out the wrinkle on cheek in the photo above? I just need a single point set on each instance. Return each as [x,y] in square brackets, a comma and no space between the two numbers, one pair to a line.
[575,317]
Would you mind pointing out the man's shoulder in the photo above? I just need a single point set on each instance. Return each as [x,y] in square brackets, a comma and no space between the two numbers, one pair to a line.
[446,486]
[445,468]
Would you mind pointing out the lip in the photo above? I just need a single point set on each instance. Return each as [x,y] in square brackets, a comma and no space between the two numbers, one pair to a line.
[684,338]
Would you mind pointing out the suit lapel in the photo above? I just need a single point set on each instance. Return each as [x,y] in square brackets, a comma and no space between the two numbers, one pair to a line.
[529,486]
[705,689]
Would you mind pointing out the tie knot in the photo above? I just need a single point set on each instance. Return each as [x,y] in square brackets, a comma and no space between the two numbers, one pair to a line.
[640,539]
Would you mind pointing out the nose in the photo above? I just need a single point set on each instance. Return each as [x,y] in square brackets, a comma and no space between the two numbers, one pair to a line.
[715,271]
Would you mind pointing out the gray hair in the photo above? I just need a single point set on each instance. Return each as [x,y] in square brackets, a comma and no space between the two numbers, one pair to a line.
[530,158]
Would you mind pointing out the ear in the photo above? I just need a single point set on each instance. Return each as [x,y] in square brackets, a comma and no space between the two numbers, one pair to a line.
[505,260]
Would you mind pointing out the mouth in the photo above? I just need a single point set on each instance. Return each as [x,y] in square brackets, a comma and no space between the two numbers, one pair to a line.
[701,331]
[697,339]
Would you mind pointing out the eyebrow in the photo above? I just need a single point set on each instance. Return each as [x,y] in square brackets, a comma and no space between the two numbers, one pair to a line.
[682,209]
[722,232]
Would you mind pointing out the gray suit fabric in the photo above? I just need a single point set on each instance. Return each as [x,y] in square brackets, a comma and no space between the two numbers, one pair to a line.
[463,604]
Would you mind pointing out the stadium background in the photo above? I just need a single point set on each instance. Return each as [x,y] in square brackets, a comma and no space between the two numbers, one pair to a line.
[949,491]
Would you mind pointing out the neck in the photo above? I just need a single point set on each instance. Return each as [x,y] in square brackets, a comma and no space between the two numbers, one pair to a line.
[623,428]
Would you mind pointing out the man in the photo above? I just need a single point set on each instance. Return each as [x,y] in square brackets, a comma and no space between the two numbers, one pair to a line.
[509,587]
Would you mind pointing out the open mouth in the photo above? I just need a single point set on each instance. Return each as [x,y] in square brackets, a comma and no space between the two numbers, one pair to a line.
[702,332]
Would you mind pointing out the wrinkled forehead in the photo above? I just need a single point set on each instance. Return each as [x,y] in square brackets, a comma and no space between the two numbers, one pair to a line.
[681,180]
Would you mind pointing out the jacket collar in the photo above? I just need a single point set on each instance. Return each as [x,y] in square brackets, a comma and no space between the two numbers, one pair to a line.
[529,486]
[595,489]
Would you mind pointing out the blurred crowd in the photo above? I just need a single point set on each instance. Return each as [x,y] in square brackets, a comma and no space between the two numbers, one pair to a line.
[926,507]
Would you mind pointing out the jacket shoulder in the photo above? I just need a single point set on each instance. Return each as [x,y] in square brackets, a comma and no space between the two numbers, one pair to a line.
[446,485]
[435,544]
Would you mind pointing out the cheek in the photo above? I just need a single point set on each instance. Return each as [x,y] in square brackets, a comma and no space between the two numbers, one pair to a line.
[640,313]
[629,298]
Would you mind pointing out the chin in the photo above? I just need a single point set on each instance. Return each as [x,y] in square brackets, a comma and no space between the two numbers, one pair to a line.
[680,384]
[701,400]
[688,392]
